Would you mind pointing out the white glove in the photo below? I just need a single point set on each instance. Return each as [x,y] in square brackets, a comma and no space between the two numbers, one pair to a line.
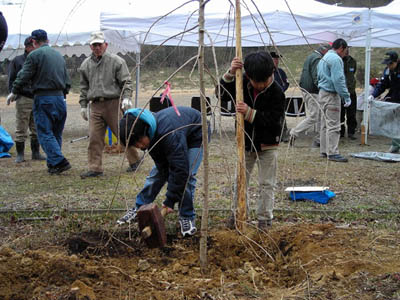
[84,113]
[347,102]
[370,98]
[126,104]
[11,98]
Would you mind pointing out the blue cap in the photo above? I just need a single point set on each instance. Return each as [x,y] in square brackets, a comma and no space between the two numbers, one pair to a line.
[390,56]
[39,35]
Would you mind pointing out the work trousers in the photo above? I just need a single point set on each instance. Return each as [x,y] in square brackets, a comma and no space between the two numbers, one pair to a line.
[348,115]
[312,116]
[24,119]
[267,166]
[50,113]
[103,114]
[330,122]
[156,180]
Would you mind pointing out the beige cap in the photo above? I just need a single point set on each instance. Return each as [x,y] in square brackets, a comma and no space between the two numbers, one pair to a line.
[97,37]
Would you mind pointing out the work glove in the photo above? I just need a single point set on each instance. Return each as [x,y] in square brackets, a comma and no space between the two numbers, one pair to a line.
[11,98]
[370,98]
[347,102]
[84,113]
[126,104]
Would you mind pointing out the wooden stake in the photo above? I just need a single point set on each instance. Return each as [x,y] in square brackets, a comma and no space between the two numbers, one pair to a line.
[204,218]
[241,214]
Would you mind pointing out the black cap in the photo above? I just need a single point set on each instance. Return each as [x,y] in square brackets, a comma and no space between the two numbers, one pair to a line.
[390,57]
[39,35]
[275,55]
[28,41]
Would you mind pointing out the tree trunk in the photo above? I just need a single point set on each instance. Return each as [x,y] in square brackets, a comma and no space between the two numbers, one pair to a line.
[241,215]
[204,218]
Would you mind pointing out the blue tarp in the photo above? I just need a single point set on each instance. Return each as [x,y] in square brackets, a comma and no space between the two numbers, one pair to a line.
[320,197]
[6,143]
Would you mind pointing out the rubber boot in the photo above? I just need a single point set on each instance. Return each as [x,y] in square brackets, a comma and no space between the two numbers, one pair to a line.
[35,150]
[20,152]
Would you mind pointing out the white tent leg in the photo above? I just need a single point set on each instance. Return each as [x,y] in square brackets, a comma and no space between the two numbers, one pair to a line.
[364,127]
[137,77]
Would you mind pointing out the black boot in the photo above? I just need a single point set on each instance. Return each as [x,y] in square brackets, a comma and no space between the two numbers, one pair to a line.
[20,152]
[35,150]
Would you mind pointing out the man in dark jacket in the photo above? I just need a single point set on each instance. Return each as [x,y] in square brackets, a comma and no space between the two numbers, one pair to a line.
[263,108]
[309,86]
[24,108]
[348,114]
[390,80]
[175,144]
[281,79]
[45,68]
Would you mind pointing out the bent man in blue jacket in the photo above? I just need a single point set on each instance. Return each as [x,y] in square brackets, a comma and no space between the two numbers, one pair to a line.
[175,144]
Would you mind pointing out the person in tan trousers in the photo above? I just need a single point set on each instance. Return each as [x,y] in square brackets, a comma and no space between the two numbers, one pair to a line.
[104,80]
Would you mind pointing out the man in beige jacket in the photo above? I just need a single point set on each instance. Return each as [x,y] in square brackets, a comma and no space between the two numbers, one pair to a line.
[104,80]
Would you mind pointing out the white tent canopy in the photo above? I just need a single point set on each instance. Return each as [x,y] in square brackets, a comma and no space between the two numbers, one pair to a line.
[306,22]
[264,23]
[133,23]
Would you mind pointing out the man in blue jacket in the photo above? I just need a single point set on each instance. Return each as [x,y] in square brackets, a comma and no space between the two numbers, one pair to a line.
[332,86]
[175,144]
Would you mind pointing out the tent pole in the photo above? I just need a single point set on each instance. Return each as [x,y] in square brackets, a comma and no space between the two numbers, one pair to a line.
[137,76]
[364,126]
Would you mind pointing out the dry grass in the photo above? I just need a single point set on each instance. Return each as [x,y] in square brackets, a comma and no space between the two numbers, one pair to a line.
[361,185]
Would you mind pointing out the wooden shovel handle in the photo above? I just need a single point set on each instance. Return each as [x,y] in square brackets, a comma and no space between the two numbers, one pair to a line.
[146,232]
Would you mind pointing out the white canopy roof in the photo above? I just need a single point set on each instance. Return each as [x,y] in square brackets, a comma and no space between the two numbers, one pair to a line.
[133,23]
[306,22]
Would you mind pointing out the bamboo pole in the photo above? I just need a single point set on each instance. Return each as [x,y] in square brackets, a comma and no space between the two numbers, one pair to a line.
[241,214]
[204,218]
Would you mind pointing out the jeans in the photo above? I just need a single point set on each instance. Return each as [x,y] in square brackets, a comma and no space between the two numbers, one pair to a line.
[50,113]
[156,180]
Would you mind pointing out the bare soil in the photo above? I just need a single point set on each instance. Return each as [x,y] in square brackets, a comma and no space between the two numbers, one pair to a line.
[302,261]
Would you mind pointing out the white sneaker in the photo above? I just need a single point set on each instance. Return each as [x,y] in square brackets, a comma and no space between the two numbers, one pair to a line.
[129,217]
[188,226]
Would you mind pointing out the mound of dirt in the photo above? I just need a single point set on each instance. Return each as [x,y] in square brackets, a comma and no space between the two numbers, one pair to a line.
[289,262]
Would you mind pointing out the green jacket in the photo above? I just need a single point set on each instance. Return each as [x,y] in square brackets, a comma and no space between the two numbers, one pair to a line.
[46,70]
[350,68]
[308,79]
[106,78]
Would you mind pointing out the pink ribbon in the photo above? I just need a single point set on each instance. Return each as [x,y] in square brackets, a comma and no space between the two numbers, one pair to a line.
[167,92]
